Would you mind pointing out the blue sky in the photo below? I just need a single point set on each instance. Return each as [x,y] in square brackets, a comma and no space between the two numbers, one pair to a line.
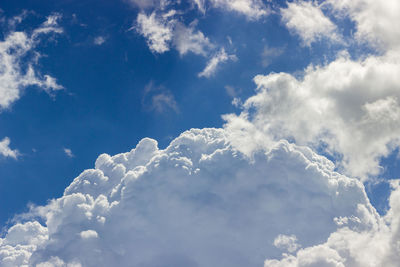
[101,109]
[116,82]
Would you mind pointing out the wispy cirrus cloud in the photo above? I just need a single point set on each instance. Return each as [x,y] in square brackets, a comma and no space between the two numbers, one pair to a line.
[158,99]
[17,49]
[213,64]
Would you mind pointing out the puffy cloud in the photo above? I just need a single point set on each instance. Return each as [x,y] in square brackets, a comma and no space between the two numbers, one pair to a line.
[187,40]
[347,108]
[252,9]
[374,20]
[157,30]
[307,20]
[214,62]
[347,247]
[19,243]
[286,242]
[14,50]
[5,149]
[163,31]
[199,202]
[88,234]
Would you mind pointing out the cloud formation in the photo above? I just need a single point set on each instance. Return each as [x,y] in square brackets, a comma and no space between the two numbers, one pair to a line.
[14,50]
[348,108]
[346,247]
[157,31]
[68,152]
[5,149]
[163,30]
[374,20]
[186,39]
[213,203]
[306,19]
[214,62]
[99,40]
[252,9]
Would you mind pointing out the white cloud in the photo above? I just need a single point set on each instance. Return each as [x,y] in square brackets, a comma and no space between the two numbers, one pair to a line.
[99,40]
[350,106]
[159,99]
[163,31]
[157,30]
[187,40]
[143,3]
[201,5]
[89,234]
[307,20]
[20,241]
[147,4]
[379,246]
[5,149]
[286,242]
[374,20]
[68,152]
[216,206]
[252,9]
[214,62]
[14,51]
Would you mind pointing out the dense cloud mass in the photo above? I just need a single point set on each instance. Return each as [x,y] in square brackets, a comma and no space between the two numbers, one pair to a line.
[350,106]
[374,20]
[242,195]
[199,202]
[346,247]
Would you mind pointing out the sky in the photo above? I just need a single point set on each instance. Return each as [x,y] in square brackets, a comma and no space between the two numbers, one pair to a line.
[242,132]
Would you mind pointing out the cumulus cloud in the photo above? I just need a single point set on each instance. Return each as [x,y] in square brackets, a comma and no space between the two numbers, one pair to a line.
[252,9]
[15,51]
[199,202]
[348,108]
[286,242]
[214,62]
[347,247]
[20,241]
[374,20]
[5,149]
[306,19]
